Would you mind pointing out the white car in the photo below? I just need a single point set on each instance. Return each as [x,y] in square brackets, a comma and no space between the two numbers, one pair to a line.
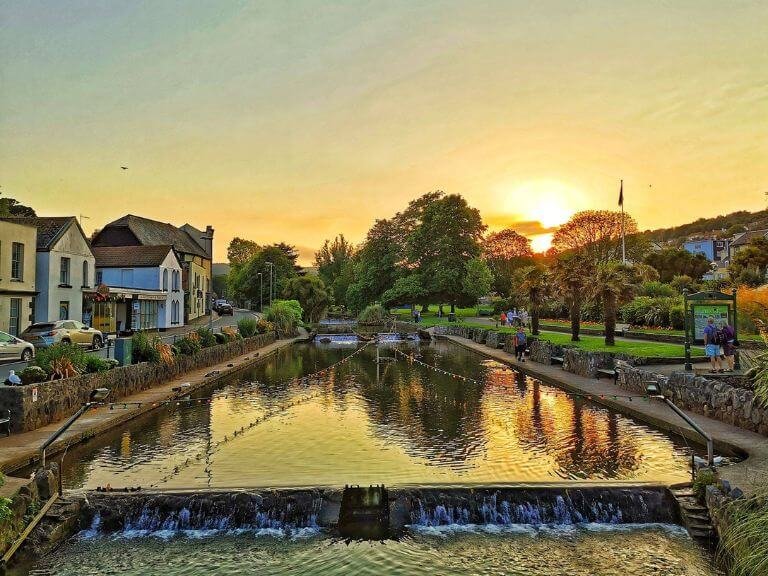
[12,348]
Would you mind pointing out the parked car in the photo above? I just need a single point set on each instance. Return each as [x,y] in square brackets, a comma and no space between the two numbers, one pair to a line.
[217,303]
[44,334]
[12,348]
[225,309]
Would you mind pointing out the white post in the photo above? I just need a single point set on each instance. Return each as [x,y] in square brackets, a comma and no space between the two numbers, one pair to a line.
[623,243]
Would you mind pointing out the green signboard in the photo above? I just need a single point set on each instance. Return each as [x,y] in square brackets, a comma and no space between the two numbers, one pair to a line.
[701,312]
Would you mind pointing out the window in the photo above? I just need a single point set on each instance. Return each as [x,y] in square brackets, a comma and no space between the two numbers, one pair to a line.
[126,277]
[64,272]
[147,314]
[64,309]
[175,312]
[13,324]
[99,277]
[17,261]
[85,273]
[165,280]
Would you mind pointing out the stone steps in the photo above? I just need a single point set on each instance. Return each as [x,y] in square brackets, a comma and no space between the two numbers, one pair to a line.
[695,516]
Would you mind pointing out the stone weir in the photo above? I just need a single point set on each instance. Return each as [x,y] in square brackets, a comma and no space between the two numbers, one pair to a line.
[292,510]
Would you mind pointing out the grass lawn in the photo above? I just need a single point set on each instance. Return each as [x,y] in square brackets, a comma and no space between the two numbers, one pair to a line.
[600,326]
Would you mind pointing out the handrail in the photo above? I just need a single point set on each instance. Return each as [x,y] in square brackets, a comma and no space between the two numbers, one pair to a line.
[27,531]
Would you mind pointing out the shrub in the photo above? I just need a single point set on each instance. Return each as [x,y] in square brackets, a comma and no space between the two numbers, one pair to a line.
[373,314]
[164,351]
[112,362]
[677,317]
[263,326]
[704,477]
[33,375]
[285,317]
[221,338]
[189,346]
[743,545]
[230,333]
[95,364]
[61,360]
[647,311]
[143,349]
[657,289]
[247,327]
[207,339]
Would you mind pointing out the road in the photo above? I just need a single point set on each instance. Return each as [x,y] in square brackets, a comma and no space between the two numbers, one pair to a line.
[170,337]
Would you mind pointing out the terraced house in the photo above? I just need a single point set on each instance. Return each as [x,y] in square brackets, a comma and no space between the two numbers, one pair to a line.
[17,276]
[64,268]
[192,247]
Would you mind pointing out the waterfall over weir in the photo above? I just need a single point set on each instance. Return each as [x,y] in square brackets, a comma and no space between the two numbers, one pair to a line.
[353,338]
[291,511]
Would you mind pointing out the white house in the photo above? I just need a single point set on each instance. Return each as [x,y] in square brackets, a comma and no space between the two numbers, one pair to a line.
[138,288]
[64,268]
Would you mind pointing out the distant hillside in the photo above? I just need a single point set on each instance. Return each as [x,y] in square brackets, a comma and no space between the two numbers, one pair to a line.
[710,226]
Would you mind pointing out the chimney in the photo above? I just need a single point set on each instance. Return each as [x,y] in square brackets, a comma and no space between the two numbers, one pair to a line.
[208,241]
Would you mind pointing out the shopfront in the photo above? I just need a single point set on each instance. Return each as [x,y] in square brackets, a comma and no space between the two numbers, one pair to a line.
[115,310]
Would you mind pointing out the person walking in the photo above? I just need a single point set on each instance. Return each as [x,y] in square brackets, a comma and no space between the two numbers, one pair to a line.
[520,340]
[711,347]
[729,344]
[503,319]
[510,316]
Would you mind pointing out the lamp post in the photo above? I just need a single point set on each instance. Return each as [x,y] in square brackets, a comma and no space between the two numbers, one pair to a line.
[94,399]
[271,273]
[688,328]
[261,303]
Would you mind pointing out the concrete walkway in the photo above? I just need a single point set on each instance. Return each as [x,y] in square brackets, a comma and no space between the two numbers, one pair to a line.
[748,474]
[20,450]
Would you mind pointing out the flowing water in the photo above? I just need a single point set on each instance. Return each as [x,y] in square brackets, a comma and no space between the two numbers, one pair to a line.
[488,550]
[406,425]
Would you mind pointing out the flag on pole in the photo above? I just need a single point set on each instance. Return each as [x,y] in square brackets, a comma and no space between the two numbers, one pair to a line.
[621,194]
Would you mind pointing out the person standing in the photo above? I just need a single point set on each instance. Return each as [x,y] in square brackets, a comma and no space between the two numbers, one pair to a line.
[711,347]
[510,316]
[503,318]
[729,344]
[520,340]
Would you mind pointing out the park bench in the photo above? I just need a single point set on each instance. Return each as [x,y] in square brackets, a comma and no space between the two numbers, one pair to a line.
[5,420]
[610,372]
[556,360]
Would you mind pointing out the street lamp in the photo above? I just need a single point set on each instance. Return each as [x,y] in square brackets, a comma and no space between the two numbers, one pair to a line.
[271,274]
[94,399]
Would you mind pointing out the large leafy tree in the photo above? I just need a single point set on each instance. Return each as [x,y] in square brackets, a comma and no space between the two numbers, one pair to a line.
[571,277]
[310,292]
[241,250]
[614,284]
[449,235]
[750,264]
[11,207]
[671,262]
[375,265]
[537,285]
[478,279]
[406,290]
[245,282]
[596,236]
[506,251]
[334,265]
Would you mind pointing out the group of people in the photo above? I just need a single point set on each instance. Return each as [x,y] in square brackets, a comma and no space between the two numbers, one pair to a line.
[720,345]
[514,317]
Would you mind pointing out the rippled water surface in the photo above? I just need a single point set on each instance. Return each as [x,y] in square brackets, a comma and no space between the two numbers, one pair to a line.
[409,425]
[561,552]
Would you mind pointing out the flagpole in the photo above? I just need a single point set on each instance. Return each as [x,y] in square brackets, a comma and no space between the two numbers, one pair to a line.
[623,243]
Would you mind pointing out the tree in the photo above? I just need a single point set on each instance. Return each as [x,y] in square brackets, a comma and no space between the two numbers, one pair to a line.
[240,251]
[570,275]
[333,263]
[750,264]
[310,292]
[449,235]
[406,290]
[375,265]
[671,262]
[596,236]
[537,286]
[614,284]
[505,251]
[478,279]
[11,207]
[245,282]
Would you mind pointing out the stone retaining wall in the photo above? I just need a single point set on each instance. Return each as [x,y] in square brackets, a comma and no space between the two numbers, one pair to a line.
[36,405]
[719,400]
[25,500]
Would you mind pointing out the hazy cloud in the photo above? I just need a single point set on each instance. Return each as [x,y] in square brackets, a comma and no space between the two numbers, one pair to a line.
[524,227]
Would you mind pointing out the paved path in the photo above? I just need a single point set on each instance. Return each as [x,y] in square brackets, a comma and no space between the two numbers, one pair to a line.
[168,336]
[746,474]
[17,450]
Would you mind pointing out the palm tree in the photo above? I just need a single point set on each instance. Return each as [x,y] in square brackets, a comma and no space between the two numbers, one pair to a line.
[615,284]
[570,275]
[537,285]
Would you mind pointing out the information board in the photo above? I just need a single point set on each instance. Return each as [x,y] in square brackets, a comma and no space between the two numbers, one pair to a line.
[701,312]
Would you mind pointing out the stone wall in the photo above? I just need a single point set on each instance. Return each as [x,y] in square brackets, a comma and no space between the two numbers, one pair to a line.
[59,399]
[29,496]
[542,350]
[719,400]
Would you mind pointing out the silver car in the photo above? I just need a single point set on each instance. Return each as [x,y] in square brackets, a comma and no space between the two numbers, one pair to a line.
[12,348]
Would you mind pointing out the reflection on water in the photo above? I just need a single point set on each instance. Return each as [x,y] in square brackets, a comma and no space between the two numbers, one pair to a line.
[408,425]
[561,552]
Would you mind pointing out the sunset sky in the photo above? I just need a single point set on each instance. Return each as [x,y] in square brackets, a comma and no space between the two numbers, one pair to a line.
[294,121]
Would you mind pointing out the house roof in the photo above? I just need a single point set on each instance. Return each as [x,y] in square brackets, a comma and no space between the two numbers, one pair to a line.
[746,237]
[130,256]
[49,228]
[153,233]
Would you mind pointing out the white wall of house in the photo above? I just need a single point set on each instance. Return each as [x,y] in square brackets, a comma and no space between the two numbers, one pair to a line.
[53,289]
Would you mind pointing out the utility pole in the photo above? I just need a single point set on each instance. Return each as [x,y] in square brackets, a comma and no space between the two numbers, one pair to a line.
[271,283]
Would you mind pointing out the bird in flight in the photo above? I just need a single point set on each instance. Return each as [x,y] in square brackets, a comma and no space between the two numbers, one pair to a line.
[124,167]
